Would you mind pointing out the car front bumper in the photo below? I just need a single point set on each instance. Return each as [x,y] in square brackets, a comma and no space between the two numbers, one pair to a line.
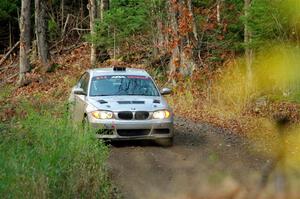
[151,129]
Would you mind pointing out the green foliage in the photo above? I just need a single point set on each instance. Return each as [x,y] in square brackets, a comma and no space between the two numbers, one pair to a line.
[124,19]
[295,96]
[52,28]
[5,91]
[268,23]
[7,8]
[42,156]
[220,38]
[234,36]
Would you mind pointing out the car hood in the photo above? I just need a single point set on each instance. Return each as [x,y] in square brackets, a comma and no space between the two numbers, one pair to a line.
[129,103]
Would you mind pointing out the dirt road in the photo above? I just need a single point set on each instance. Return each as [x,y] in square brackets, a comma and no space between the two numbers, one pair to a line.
[205,162]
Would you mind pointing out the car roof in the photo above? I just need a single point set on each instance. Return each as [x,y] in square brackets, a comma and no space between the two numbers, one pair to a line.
[111,71]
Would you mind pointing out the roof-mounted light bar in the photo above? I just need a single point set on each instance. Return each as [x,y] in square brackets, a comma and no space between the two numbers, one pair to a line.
[119,68]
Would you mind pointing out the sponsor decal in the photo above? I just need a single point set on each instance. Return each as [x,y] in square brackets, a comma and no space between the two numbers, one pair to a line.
[121,77]
[137,77]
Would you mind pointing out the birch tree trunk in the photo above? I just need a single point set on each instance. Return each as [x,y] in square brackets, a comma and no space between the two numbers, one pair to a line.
[41,33]
[24,41]
[247,40]
[93,13]
[218,12]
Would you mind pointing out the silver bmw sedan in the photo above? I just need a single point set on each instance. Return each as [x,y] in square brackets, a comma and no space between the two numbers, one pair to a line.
[122,104]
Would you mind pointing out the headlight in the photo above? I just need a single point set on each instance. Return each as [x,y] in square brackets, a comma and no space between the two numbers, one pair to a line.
[102,114]
[164,114]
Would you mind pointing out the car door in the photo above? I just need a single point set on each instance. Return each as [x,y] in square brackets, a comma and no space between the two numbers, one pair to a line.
[80,100]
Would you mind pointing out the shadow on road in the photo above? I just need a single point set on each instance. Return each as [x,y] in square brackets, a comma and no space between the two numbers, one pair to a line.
[132,143]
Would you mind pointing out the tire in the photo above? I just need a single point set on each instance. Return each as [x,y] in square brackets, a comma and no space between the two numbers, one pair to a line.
[165,142]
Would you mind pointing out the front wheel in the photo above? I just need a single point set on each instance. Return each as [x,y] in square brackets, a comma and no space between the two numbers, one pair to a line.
[165,142]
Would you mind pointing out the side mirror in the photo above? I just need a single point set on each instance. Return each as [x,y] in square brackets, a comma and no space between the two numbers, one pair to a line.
[79,91]
[165,91]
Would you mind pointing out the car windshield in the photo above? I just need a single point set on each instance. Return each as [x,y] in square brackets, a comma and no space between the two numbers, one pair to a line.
[122,85]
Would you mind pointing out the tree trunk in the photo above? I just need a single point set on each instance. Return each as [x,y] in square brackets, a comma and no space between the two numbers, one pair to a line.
[104,7]
[10,36]
[247,40]
[218,12]
[92,13]
[102,52]
[158,36]
[176,51]
[184,40]
[41,33]
[190,7]
[98,7]
[24,41]
[192,40]
[62,5]
[81,13]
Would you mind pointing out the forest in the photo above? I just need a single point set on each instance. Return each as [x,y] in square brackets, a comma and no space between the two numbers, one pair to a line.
[231,64]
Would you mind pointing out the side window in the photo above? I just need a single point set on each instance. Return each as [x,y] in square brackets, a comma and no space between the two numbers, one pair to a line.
[85,82]
[79,84]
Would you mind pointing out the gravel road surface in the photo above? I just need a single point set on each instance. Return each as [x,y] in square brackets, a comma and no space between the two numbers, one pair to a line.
[205,162]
